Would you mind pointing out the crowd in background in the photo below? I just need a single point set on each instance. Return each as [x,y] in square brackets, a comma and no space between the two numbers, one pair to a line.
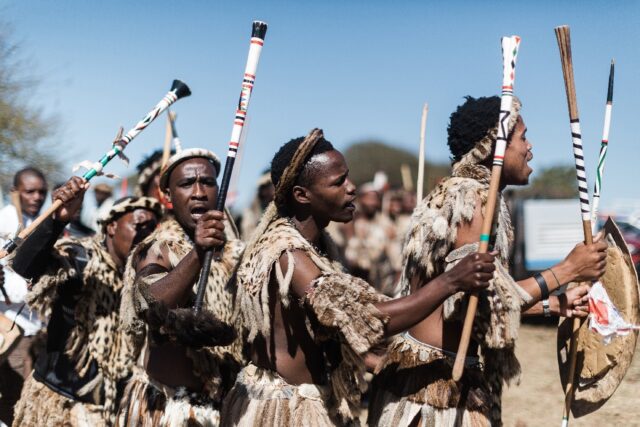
[370,246]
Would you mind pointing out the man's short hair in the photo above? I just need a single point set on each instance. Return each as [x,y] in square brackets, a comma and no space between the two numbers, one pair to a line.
[284,156]
[29,170]
[470,123]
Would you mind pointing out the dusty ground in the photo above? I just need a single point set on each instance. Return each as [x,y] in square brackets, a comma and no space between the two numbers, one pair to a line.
[538,399]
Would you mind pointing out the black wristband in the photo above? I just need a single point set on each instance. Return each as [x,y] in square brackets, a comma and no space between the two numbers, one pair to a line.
[544,289]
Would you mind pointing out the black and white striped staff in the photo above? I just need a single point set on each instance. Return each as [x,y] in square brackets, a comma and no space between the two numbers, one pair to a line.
[259,30]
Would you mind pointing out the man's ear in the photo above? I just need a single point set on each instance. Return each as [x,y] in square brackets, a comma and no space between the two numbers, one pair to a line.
[301,195]
[111,228]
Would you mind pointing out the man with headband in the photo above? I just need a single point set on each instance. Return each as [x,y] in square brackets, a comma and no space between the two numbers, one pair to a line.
[414,383]
[77,285]
[178,384]
[308,325]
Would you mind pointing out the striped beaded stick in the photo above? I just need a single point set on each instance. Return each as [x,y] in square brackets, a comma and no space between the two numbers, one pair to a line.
[603,148]
[564,43]
[510,46]
[259,30]
[178,90]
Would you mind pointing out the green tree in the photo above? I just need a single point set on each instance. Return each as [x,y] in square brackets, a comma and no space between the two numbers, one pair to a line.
[555,182]
[24,128]
[367,157]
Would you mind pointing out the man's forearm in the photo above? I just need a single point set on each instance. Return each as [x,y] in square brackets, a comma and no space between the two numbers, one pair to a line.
[174,289]
[34,254]
[407,311]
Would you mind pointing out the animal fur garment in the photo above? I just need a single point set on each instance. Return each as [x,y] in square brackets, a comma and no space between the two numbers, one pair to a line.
[261,398]
[40,406]
[342,304]
[414,380]
[429,250]
[147,403]
[169,240]
[95,335]
[185,327]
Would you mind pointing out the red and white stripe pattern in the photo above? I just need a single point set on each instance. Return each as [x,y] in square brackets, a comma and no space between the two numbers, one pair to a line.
[255,48]
[510,47]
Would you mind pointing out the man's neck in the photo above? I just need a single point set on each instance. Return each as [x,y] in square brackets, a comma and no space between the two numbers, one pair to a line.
[309,228]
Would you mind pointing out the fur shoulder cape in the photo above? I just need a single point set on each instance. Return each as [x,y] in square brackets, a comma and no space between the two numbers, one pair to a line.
[429,248]
[342,304]
[95,335]
[169,238]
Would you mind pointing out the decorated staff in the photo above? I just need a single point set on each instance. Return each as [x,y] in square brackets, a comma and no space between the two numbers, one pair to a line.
[564,43]
[510,47]
[423,130]
[603,147]
[178,90]
[259,30]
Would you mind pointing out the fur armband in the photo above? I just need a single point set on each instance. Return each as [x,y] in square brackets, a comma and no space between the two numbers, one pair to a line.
[346,303]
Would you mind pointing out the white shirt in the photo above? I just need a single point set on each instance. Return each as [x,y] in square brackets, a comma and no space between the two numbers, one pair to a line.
[14,284]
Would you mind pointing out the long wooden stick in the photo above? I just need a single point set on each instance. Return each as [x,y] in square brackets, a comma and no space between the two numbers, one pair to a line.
[510,46]
[564,43]
[423,130]
[15,201]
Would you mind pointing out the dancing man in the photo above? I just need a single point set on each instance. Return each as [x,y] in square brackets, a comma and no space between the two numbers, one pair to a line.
[308,324]
[77,284]
[414,383]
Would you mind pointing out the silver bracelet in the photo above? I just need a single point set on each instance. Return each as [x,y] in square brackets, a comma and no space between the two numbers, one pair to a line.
[545,308]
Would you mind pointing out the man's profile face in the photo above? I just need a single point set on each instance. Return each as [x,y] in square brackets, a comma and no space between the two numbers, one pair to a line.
[32,190]
[331,193]
[193,190]
[516,169]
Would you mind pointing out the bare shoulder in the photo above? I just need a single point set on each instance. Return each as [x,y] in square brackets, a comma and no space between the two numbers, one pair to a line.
[304,272]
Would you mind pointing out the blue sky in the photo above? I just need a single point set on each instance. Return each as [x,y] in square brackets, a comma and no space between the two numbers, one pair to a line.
[357,69]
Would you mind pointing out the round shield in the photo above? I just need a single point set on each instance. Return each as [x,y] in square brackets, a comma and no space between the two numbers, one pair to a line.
[601,367]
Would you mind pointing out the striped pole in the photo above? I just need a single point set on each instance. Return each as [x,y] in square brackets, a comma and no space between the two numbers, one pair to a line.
[603,149]
[510,46]
[178,90]
[258,32]
[564,43]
